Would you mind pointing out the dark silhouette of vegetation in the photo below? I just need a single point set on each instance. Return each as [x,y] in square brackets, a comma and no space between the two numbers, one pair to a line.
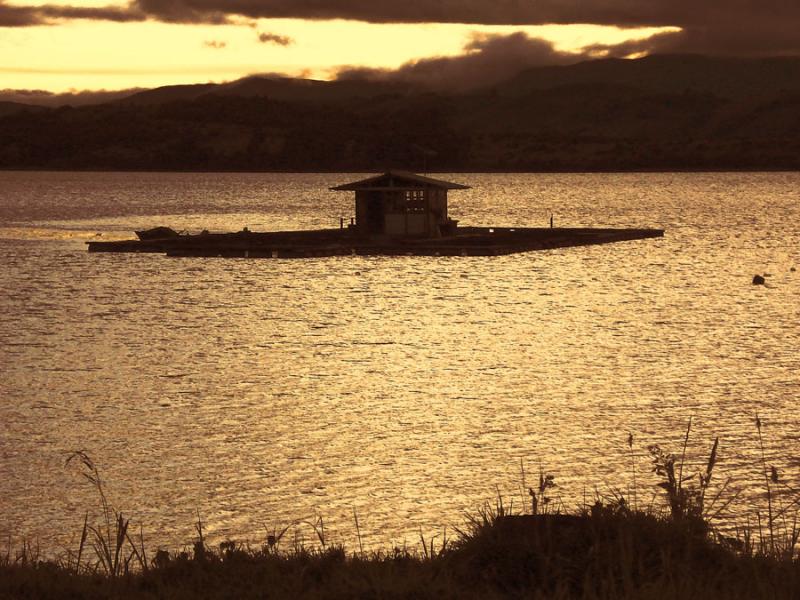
[660,113]
[609,549]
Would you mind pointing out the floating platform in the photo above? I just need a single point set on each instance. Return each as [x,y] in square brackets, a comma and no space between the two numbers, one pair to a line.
[466,241]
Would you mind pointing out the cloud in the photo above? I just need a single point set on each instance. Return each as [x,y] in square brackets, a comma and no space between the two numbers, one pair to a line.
[730,26]
[758,36]
[488,59]
[12,15]
[215,45]
[734,27]
[494,12]
[181,11]
[46,14]
[272,38]
[103,13]
[491,59]
[18,16]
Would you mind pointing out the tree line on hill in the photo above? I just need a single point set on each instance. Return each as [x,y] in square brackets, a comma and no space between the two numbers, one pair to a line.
[661,113]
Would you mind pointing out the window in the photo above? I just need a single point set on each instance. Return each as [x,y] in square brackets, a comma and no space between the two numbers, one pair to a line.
[415,201]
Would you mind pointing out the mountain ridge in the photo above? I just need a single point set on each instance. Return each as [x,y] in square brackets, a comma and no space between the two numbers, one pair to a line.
[671,112]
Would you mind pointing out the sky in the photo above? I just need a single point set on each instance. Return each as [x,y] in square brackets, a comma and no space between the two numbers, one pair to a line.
[65,45]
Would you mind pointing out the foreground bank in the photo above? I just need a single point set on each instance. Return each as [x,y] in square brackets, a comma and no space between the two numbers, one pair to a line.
[607,551]
[610,549]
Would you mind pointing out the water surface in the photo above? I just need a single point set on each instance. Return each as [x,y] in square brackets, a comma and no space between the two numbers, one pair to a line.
[261,392]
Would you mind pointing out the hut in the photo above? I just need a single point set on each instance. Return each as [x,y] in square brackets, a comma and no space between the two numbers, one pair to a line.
[402,204]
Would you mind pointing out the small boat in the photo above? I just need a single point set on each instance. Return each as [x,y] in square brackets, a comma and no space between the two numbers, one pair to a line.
[157,233]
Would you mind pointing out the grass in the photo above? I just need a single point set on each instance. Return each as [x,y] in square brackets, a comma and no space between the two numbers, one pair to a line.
[611,548]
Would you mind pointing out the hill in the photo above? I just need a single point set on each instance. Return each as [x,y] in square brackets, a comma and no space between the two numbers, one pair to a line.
[734,78]
[12,108]
[660,112]
[285,89]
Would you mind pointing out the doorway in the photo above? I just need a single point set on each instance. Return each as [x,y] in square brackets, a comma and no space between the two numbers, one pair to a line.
[376,220]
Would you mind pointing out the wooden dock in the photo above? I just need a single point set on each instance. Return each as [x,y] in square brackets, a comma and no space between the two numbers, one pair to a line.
[467,241]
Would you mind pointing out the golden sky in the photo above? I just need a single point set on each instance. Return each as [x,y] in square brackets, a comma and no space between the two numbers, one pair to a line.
[95,55]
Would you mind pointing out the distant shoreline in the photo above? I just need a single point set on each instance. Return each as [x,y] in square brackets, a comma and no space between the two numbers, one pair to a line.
[667,113]
[375,170]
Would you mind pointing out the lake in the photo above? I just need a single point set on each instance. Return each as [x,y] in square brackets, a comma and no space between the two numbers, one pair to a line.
[411,390]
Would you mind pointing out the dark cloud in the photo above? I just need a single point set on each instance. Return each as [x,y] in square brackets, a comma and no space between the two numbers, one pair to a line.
[757,36]
[272,38]
[488,59]
[626,13]
[667,42]
[18,16]
[743,27]
[494,12]
[46,14]
[103,13]
[215,45]
[179,11]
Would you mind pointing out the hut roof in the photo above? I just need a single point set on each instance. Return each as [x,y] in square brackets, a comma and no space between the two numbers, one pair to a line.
[398,180]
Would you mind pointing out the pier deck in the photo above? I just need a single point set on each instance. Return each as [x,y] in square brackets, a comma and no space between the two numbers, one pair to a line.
[468,241]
